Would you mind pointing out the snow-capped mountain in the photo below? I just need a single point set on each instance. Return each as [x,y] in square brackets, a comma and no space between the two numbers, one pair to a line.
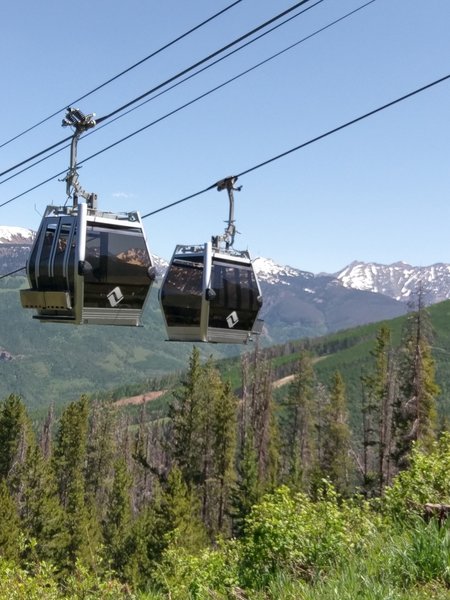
[360,292]
[268,271]
[16,235]
[399,280]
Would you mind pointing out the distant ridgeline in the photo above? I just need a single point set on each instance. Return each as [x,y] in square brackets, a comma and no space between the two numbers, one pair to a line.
[13,256]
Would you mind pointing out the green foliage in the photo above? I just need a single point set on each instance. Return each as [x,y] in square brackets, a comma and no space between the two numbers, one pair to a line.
[336,438]
[426,480]
[117,523]
[15,434]
[422,554]
[40,511]
[291,533]
[39,583]
[300,426]
[211,573]
[101,358]
[9,524]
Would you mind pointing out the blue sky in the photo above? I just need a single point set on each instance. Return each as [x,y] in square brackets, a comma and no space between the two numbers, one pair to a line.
[377,191]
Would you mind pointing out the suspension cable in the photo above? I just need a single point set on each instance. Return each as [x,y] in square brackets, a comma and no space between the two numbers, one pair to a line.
[127,70]
[171,79]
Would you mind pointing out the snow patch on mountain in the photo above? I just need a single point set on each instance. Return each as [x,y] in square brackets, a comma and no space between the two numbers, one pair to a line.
[398,280]
[267,270]
[15,235]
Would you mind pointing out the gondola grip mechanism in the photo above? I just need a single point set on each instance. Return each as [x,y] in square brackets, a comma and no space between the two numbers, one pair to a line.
[81,123]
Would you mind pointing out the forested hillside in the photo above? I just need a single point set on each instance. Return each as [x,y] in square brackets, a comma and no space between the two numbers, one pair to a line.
[242,493]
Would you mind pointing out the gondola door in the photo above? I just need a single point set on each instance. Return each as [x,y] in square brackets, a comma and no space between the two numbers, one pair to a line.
[51,269]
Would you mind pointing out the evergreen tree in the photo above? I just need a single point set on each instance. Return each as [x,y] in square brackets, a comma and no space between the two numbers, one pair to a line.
[40,511]
[69,461]
[415,412]
[224,436]
[187,417]
[300,426]
[336,463]
[100,455]
[9,525]
[203,432]
[118,520]
[171,519]
[246,491]
[379,391]
[257,416]
[15,435]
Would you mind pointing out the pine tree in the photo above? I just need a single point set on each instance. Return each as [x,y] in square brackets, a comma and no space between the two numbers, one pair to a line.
[15,435]
[379,391]
[246,492]
[203,432]
[415,413]
[300,426]
[257,418]
[9,525]
[170,519]
[118,520]
[69,461]
[187,417]
[40,512]
[336,463]
[224,447]
[100,455]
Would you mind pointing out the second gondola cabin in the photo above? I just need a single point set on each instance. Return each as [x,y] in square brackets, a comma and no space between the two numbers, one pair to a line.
[211,295]
[87,266]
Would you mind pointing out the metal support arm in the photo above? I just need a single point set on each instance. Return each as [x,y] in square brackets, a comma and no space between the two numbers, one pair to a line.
[81,123]
[230,231]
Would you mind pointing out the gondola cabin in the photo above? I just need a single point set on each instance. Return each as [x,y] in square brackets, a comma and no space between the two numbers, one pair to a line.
[210,295]
[87,266]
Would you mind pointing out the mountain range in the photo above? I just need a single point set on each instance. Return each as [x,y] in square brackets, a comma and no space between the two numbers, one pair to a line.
[298,303]
[69,360]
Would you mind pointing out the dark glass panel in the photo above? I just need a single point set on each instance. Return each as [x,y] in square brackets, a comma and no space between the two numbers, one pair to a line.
[116,268]
[45,282]
[181,294]
[235,304]
[60,281]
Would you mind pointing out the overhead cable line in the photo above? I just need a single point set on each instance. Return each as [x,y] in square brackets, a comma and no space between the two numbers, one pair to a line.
[278,156]
[127,70]
[173,78]
[192,75]
[12,272]
[189,103]
[207,58]
[311,141]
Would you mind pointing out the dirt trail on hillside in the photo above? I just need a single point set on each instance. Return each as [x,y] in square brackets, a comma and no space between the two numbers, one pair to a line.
[141,399]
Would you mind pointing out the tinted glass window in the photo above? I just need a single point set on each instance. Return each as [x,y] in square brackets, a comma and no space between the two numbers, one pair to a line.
[44,280]
[181,294]
[116,269]
[60,253]
[235,304]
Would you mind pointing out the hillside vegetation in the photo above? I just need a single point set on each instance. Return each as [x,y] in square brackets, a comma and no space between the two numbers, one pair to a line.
[226,497]
[56,363]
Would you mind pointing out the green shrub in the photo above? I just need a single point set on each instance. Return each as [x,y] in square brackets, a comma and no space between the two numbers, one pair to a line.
[211,573]
[426,480]
[289,532]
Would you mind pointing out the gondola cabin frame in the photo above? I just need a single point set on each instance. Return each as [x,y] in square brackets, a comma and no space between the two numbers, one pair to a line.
[210,295]
[88,266]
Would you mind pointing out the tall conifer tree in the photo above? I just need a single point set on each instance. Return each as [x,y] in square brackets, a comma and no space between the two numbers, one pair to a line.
[415,415]
[336,462]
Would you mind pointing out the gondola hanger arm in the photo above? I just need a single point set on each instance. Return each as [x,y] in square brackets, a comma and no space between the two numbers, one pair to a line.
[81,123]
[228,184]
